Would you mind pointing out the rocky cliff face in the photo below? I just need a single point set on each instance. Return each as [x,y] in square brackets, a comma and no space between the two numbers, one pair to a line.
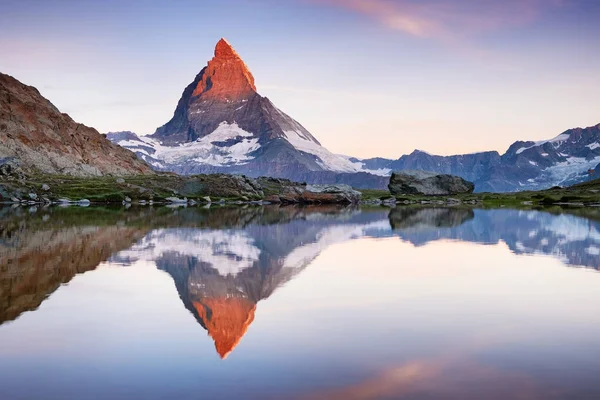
[222,124]
[34,134]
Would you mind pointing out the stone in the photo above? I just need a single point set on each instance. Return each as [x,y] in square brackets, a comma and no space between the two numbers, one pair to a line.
[176,200]
[274,199]
[428,184]
[337,193]
[120,180]
[127,199]
[33,196]
[207,199]
[45,187]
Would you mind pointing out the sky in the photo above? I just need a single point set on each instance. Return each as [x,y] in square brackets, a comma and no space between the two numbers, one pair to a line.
[369,78]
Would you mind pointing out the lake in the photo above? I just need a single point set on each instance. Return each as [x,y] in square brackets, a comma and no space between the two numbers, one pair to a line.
[299,303]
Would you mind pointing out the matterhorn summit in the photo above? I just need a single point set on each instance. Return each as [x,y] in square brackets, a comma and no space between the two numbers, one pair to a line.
[222,124]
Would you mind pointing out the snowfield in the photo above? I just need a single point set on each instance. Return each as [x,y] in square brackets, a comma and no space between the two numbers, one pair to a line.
[329,161]
[210,149]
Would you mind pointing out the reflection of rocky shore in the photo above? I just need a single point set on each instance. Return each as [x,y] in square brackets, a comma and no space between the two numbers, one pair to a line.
[35,259]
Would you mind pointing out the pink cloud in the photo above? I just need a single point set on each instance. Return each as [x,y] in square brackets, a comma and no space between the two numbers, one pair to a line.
[447,20]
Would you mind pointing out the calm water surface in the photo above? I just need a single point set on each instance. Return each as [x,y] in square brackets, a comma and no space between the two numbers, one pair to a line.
[299,303]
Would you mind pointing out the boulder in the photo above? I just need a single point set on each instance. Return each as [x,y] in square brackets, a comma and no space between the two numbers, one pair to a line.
[428,183]
[338,193]
[45,187]
[176,200]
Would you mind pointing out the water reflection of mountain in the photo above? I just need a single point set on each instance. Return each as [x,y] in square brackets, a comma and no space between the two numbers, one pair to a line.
[572,239]
[221,275]
[224,261]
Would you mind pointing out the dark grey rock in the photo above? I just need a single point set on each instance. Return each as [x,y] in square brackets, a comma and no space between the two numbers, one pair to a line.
[428,183]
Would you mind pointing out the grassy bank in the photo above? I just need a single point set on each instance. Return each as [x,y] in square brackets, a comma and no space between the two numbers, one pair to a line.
[585,194]
[109,189]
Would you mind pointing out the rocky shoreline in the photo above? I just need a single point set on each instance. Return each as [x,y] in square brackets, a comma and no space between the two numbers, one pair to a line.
[18,188]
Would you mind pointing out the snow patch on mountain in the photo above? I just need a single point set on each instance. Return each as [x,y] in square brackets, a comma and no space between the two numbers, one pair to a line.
[227,145]
[568,171]
[556,142]
[328,160]
[593,146]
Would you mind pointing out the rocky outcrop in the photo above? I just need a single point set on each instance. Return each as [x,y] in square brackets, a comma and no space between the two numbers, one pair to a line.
[428,184]
[330,194]
[170,188]
[286,191]
[39,138]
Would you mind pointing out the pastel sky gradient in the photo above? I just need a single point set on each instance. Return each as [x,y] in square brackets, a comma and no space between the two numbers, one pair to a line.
[367,77]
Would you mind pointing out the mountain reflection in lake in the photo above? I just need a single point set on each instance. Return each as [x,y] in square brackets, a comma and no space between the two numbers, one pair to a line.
[372,303]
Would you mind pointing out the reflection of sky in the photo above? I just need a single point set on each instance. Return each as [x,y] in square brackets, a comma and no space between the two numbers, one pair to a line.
[367,77]
[365,315]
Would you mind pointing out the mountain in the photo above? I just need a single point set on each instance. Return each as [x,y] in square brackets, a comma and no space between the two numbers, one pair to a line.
[561,161]
[35,135]
[222,124]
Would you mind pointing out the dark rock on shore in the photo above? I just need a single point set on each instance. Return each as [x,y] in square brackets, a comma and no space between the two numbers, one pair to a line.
[428,183]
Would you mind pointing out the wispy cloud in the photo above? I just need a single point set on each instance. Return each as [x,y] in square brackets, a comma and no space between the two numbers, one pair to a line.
[446,20]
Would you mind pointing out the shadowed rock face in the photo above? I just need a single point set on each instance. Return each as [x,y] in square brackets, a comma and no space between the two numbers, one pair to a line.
[41,139]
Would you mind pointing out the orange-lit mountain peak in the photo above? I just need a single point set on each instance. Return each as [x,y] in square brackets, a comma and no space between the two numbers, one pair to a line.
[228,322]
[223,49]
[226,76]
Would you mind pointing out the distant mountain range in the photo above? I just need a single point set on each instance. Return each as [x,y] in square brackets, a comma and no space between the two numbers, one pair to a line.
[562,161]
[221,124]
